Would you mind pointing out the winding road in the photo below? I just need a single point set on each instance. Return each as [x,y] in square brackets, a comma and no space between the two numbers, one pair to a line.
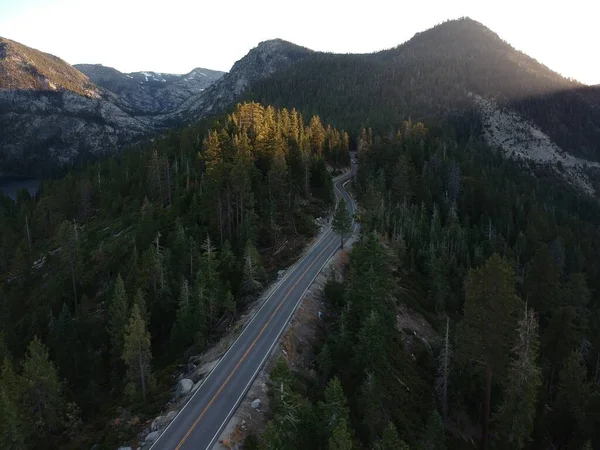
[201,421]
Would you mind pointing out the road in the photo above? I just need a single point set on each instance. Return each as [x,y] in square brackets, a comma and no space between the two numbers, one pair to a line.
[201,421]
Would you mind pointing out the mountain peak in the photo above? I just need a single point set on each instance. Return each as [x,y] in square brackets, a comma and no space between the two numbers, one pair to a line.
[26,69]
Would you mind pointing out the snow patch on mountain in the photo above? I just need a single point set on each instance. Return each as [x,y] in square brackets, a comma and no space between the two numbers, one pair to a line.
[521,139]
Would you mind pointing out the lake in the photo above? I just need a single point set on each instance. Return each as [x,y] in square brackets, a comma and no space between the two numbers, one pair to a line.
[11,187]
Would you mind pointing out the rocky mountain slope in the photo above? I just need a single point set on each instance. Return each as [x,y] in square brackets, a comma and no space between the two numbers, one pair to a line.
[53,114]
[266,59]
[150,93]
[25,69]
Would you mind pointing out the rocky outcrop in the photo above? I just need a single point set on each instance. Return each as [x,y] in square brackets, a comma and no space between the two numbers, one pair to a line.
[45,130]
[262,61]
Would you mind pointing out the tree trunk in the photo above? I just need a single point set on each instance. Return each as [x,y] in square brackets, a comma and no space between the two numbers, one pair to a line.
[168,170]
[28,233]
[74,285]
[220,220]
[486,407]
[142,374]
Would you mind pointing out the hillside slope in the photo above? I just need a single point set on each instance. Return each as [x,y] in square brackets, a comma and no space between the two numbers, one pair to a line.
[26,69]
[432,75]
[52,115]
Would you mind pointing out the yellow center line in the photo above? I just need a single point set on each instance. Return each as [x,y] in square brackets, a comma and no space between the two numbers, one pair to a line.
[212,400]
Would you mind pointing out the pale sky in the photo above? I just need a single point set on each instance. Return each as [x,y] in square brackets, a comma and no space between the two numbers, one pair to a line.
[177,35]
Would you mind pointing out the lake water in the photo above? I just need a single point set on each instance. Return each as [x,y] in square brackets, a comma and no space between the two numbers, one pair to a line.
[11,187]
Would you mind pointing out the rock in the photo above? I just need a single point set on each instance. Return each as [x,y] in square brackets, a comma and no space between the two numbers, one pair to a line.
[197,385]
[151,437]
[124,448]
[280,273]
[255,403]
[170,416]
[157,423]
[184,386]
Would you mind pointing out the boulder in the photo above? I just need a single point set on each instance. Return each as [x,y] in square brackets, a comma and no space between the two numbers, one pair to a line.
[170,416]
[124,448]
[255,403]
[151,437]
[184,386]
[157,423]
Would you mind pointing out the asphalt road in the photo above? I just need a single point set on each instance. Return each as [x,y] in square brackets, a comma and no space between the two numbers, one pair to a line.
[201,421]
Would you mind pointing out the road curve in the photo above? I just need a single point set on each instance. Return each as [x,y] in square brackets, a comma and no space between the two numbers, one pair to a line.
[202,419]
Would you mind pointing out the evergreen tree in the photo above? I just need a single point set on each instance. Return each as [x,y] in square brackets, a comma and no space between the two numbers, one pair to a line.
[13,434]
[253,273]
[140,301]
[486,333]
[68,239]
[443,371]
[137,354]
[335,409]
[568,418]
[342,222]
[42,390]
[185,328]
[341,438]
[515,416]
[435,437]
[118,313]
[390,440]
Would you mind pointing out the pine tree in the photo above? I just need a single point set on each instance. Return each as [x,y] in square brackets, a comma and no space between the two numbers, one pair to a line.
[572,394]
[443,371]
[541,283]
[137,353]
[42,389]
[184,329]
[390,440]
[140,301]
[335,409]
[486,333]
[69,242]
[516,414]
[342,222]
[253,272]
[341,438]
[65,345]
[435,437]
[118,313]
[13,433]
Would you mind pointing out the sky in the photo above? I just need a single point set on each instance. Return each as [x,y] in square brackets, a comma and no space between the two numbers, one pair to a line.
[178,35]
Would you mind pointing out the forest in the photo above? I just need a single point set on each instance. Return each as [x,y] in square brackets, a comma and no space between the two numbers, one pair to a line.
[115,274]
[503,260]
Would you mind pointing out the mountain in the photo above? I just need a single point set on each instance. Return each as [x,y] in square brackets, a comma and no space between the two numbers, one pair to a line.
[150,93]
[65,114]
[266,59]
[25,69]
[456,72]
[52,115]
